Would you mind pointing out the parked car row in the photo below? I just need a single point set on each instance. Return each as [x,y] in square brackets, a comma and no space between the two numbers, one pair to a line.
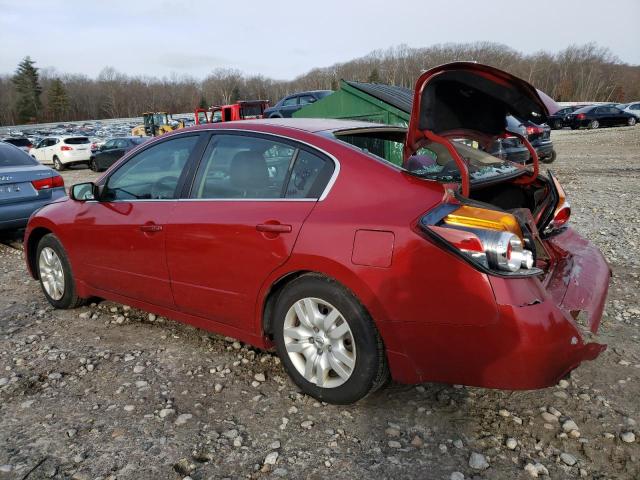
[596,116]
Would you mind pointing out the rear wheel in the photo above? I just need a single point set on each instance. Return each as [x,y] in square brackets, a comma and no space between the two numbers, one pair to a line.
[327,341]
[57,164]
[631,121]
[93,166]
[54,272]
[557,125]
[551,158]
[593,124]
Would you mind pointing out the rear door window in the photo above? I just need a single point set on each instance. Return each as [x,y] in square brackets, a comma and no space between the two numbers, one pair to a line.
[243,166]
[309,176]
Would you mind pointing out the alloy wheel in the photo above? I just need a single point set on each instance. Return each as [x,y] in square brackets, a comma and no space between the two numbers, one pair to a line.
[632,121]
[319,342]
[51,273]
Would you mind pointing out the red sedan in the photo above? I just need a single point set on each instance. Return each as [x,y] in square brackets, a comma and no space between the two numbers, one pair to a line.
[360,251]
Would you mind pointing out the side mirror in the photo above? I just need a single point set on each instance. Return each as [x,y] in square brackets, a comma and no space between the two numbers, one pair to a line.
[81,192]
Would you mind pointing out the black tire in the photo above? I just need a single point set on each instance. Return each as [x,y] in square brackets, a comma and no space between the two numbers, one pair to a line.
[69,298]
[593,124]
[93,166]
[370,371]
[57,164]
[631,121]
[275,115]
[551,158]
[557,125]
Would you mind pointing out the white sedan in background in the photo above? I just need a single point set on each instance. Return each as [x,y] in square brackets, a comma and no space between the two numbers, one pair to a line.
[62,151]
[633,108]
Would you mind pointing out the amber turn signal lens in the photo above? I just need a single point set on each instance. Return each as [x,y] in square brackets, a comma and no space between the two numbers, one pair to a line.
[467,216]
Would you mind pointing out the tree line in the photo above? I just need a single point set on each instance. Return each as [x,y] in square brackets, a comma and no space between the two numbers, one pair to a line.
[578,73]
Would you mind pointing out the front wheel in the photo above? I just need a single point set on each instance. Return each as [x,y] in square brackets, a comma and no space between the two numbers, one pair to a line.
[594,124]
[327,341]
[57,164]
[54,272]
[631,121]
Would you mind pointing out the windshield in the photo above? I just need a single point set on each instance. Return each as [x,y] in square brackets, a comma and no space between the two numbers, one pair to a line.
[433,162]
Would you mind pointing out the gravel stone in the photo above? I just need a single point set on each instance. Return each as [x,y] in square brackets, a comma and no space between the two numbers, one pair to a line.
[477,461]
[628,437]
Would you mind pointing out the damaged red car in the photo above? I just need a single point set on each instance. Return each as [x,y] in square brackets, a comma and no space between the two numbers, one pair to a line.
[361,252]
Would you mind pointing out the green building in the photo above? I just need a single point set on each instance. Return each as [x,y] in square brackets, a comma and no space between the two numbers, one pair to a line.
[370,102]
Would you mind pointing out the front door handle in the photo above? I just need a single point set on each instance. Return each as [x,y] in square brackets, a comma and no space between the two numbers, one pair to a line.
[273,228]
[151,228]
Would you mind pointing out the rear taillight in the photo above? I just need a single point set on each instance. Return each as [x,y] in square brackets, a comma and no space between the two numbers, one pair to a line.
[581,116]
[46,183]
[65,148]
[533,129]
[562,212]
[488,239]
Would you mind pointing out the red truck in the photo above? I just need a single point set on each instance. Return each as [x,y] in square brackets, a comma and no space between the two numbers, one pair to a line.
[243,110]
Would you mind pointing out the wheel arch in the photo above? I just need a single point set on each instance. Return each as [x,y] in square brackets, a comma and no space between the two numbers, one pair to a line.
[333,272]
[271,298]
[31,247]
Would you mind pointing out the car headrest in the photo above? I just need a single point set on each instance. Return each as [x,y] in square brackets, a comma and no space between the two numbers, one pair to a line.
[248,170]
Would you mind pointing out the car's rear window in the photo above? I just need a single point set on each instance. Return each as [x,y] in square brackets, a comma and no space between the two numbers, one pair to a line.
[139,140]
[584,109]
[251,111]
[18,142]
[13,157]
[434,162]
[77,140]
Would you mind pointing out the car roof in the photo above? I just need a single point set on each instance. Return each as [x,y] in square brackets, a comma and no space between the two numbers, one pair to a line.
[311,125]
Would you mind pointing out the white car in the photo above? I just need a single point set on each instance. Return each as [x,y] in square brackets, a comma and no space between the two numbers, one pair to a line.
[633,108]
[62,151]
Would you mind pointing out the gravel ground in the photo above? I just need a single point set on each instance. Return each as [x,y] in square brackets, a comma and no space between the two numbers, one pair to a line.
[109,392]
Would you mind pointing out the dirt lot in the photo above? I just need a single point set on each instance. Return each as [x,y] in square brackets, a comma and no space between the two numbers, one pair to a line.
[108,392]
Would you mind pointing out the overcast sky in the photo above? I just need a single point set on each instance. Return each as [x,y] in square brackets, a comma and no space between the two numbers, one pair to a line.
[285,38]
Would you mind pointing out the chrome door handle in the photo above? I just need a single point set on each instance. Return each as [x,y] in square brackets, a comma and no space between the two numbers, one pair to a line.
[273,228]
[151,228]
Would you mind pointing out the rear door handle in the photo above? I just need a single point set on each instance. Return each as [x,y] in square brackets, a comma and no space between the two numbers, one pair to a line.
[151,228]
[273,228]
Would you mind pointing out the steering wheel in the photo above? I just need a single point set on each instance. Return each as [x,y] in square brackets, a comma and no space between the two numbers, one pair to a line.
[164,187]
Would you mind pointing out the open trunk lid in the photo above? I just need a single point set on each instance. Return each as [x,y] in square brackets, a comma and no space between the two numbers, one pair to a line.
[471,100]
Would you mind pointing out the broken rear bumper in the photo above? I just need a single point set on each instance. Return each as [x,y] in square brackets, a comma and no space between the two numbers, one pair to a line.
[553,321]
[534,339]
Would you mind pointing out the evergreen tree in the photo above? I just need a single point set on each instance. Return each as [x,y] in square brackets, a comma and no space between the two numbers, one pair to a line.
[28,90]
[58,100]
[235,94]
[374,76]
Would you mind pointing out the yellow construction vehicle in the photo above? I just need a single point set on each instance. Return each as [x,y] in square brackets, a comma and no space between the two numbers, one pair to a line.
[155,124]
